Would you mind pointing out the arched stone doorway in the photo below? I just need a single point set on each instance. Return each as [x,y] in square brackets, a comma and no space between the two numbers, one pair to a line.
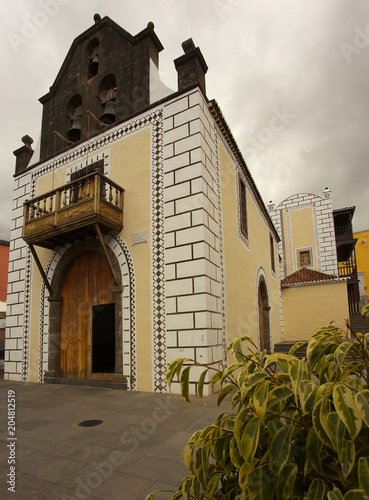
[85,297]
[87,326]
[264,320]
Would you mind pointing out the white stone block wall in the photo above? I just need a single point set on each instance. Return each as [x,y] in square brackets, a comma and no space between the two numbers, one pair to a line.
[18,256]
[326,248]
[192,233]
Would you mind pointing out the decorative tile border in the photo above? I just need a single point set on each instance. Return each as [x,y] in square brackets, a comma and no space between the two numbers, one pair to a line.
[155,120]
[157,256]
[221,251]
[27,316]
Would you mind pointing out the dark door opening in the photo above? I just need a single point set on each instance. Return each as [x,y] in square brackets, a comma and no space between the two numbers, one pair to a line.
[103,338]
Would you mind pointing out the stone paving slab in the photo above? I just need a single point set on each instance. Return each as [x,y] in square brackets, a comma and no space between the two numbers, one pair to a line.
[136,450]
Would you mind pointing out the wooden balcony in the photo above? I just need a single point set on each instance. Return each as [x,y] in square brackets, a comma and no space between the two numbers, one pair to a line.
[70,212]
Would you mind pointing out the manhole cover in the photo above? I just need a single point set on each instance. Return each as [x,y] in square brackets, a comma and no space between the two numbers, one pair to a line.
[90,423]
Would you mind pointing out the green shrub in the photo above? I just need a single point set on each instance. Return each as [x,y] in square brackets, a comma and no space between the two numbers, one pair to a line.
[299,429]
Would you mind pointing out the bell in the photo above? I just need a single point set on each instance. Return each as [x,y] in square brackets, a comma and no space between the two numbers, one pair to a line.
[93,67]
[74,133]
[108,116]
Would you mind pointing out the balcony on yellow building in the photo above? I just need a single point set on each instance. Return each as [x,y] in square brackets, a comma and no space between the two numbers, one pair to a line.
[73,212]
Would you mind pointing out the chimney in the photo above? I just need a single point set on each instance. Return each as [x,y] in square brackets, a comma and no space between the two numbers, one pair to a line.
[191,67]
[23,155]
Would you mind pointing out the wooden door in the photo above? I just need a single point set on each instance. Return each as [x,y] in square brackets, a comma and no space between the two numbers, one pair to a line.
[86,284]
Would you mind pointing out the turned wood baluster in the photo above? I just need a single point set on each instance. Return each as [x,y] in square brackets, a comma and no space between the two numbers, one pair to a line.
[44,211]
[31,211]
[65,196]
[88,188]
[79,191]
[71,195]
[51,203]
[38,208]
[116,196]
[103,193]
[111,193]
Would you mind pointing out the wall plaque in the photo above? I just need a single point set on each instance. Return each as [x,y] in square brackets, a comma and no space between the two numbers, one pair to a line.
[139,237]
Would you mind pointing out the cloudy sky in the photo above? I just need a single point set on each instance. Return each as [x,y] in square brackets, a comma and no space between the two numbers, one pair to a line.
[291,77]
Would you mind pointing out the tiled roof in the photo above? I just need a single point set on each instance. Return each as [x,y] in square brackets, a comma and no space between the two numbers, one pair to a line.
[305,275]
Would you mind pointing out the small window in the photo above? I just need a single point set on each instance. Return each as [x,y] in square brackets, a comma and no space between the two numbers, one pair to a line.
[243,208]
[92,54]
[272,258]
[79,174]
[305,258]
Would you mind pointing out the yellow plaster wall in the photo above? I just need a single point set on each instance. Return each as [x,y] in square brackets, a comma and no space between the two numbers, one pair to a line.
[303,234]
[130,168]
[362,257]
[309,307]
[241,264]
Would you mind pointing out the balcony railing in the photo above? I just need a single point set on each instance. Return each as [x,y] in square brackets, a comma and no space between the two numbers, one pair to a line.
[344,232]
[348,270]
[70,212]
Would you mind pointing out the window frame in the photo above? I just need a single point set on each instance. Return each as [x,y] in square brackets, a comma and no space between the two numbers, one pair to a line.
[299,252]
[272,253]
[243,207]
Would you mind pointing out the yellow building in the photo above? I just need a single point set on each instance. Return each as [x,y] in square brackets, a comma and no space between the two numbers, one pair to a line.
[138,233]
[313,292]
[362,262]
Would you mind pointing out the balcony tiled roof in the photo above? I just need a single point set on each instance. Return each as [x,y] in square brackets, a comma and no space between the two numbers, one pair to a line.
[306,276]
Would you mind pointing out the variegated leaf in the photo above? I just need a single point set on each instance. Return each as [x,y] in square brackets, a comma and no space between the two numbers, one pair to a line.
[260,398]
[235,454]
[316,490]
[223,393]
[365,311]
[185,383]
[242,418]
[313,451]
[362,402]
[250,440]
[277,395]
[200,388]
[355,495]
[335,430]
[319,410]
[280,448]
[335,494]
[347,410]
[286,481]
[341,352]
[347,457]
[296,371]
[306,390]
[260,484]
[364,474]
[296,347]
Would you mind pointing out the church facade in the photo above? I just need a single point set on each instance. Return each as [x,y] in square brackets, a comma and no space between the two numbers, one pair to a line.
[138,234]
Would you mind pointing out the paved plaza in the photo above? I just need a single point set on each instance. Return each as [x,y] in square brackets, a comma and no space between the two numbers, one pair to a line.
[137,449]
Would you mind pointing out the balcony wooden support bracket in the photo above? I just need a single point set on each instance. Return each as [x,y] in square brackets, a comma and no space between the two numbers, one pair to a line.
[40,268]
[100,236]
